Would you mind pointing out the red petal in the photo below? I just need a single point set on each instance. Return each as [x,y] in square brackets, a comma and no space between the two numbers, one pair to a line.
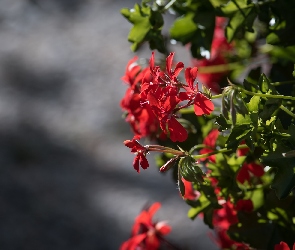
[133,243]
[152,61]
[243,174]
[189,192]
[129,143]
[152,242]
[245,205]
[282,246]
[154,208]
[163,229]
[211,138]
[203,105]
[136,163]
[177,132]
[179,66]
[256,169]
[143,162]
[190,76]
[169,61]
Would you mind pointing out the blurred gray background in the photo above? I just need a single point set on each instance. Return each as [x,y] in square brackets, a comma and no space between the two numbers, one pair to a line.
[66,179]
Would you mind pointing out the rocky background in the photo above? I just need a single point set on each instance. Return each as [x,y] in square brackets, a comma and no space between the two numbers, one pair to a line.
[66,180]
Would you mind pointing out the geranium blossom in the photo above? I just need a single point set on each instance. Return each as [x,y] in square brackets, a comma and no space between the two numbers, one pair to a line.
[141,118]
[219,48]
[146,234]
[189,192]
[210,143]
[140,152]
[247,170]
[222,219]
[283,246]
[202,104]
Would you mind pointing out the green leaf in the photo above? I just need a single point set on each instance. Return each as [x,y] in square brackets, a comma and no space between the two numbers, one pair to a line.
[190,170]
[241,14]
[195,27]
[270,106]
[238,133]
[284,179]
[222,122]
[203,203]
[207,203]
[251,225]
[232,7]
[253,105]
[224,170]
[239,20]
[147,25]
[180,183]
[264,83]
[183,28]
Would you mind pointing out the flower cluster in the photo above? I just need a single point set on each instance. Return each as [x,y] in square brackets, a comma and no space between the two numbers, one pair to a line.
[219,50]
[155,96]
[234,166]
[146,234]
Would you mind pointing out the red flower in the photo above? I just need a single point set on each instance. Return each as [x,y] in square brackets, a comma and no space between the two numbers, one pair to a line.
[142,120]
[283,246]
[222,219]
[225,242]
[202,104]
[210,142]
[131,76]
[189,192]
[245,205]
[225,216]
[219,48]
[248,169]
[140,151]
[146,235]
[172,74]
[161,94]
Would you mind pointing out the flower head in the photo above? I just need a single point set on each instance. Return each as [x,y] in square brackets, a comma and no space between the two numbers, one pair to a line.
[146,234]
[283,246]
[140,152]
[210,142]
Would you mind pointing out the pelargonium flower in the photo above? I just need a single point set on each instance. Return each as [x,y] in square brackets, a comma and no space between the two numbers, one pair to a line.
[219,48]
[283,246]
[161,95]
[222,219]
[202,104]
[248,169]
[141,118]
[210,142]
[140,151]
[189,192]
[146,234]
[245,205]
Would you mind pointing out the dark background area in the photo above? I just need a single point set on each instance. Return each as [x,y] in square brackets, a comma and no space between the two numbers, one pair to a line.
[66,179]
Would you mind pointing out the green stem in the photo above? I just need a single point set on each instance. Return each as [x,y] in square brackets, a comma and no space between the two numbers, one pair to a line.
[223,150]
[266,95]
[216,96]
[187,110]
[218,68]
[282,107]
[282,83]
[168,5]
[158,148]
[199,146]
